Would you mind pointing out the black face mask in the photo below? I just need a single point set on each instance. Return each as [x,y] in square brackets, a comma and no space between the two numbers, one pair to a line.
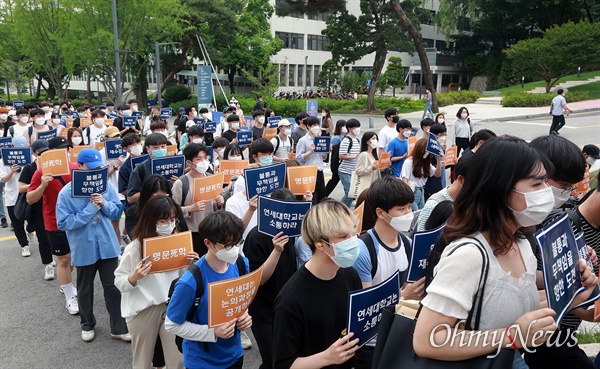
[396,119]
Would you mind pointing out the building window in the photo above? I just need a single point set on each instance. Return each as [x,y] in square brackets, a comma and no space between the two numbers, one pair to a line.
[441,45]
[281,4]
[292,76]
[318,17]
[282,74]
[425,16]
[316,42]
[428,42]
[291,40]
[317,70]
[300,75]
[308,74]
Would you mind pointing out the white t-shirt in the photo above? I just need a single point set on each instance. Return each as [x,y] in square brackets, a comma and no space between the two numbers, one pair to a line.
[386,134]
[407,172]
[20,130]
[284,149]
[557,105]
[238,205]
[96,134]
[113,178]
[11,188]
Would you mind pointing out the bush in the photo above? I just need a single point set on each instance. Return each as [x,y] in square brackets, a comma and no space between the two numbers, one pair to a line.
[177,93]
[183,103]
[525,99]
[457,97]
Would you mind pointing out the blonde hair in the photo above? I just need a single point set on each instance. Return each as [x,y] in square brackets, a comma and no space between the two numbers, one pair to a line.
[327,218]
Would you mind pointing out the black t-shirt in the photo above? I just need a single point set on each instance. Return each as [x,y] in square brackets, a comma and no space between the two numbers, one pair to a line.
[310,315]
[26,175]
[118,122]
[257,132]
[259,106]
[229,135]
[9,123]
[258,248]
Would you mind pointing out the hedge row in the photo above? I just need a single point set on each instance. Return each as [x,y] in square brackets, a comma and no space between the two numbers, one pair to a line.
[524,99]
[457,97]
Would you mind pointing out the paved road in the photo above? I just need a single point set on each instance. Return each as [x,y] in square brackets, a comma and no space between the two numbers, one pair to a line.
[37,330]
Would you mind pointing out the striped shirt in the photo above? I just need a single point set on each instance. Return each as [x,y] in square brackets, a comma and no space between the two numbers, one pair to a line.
[349,165]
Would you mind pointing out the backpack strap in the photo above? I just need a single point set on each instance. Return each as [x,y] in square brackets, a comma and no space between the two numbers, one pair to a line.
[185,187]
[141,171]
[277,145]
[61,180]
[575,217]
[89,135]
[11,131]
[199,290]
[241,265]
[30,131]
[367,238]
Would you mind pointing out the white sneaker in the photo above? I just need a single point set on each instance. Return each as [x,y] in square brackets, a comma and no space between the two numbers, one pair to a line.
[73,308]
[49,273]
[88,336]
[25,252]
[126,337]
[53,263]
[246,343]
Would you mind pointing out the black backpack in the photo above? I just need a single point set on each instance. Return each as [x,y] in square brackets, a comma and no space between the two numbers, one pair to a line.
[199,292]
[368,240]
[335,154]
[278,142]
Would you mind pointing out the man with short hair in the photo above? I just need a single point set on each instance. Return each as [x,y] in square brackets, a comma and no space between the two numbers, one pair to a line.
[190,114]
[233,121]
[156,145]
[259,121]
[477,140]
[39,125]
[557,109]
[95,248]
[428,102]
[132,145]
[223,125]
[388,132]
[301,129]
[260,105]
[282,142]
[305,153]
[95,132]
[398,147]
[124,111]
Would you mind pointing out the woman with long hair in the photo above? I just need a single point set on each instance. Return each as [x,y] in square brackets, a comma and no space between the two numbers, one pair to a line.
[418,169]
[366,163]
[75,137]
[143,295]
[463,129]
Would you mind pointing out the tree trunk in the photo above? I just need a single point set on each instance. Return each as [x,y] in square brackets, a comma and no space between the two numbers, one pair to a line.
[88,85]
[378,63]
[38,90]
[19,87]
[177,67]
[231,77]
[141,93]
[418,40]
[393,91]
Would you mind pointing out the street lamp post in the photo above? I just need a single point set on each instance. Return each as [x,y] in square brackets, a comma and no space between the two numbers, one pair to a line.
[157,67]
[117,56]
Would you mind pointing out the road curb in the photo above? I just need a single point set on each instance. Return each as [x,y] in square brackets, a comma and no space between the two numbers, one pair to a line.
[530,116]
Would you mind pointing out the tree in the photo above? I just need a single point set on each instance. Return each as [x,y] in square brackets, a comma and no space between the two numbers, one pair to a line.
[394,74]
[350,81]
[329,75]
[559,52]
[374,31]
[267,81]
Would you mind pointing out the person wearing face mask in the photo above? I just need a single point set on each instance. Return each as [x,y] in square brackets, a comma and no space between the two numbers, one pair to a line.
[154,111]
[418,169]
[301,128]
[440,119]
[435,184]
[223,125]
[339,133]
[207,117]
[233,122]
[95,132]
[95,247]
[189,113]
[504,191]
[47,108]
[306,331]
[133,105]
[158,126]
[124,111]
[349,150]
[591,153]
[39,125]
[218,146]
[156,146]
[74,137]
[398,147]
[366,164]
[259,124]
[196,158]
[390,202]
[426,124]
[22,127]
[463,130]
[3,118]
[388,132]
[219,347]
[114,166]
[194,134]
[54,123]
[305,154]
[143,295]
[428,103]
[8,118]
[283,141]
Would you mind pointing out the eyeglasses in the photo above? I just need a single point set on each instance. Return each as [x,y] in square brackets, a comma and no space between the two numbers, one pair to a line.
[568,190]
[229,247]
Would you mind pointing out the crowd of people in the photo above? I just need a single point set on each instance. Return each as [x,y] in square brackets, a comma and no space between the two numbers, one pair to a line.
[493,198]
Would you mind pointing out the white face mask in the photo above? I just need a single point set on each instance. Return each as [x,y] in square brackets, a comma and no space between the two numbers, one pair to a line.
[220,152]
[3,116]
[441,120]
[559,197]
[229,256]
[590,161]
[407,134]
[24,119]
[99,122]
[195,114]
[287,132]
[356,131]
[134,107]
[135,150]
[165,229]
[374,144]
[401,223]
[197,140]
[235,126]
[315,130]
[442,140]
[235,158]
[46,109]
[202,166]
[261,120]
[344,130]
[76,140]
[40,121]
[464,115]
[539,205]
[56,121]
[204,115]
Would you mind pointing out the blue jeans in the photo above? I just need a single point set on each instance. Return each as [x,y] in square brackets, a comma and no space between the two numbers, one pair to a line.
[419,202]
[518,362]
[2,213]
[426,110]
[345,178]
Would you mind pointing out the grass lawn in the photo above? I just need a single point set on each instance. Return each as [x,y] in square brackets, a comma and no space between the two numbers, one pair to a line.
[593,90]
[531,85]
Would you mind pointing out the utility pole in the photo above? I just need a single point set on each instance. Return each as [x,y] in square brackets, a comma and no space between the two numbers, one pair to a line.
[157,67]
[117,55]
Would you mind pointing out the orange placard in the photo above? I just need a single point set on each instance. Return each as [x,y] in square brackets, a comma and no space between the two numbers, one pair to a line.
[229,299]
[411,143]
[385,160]
[208,188]
[99,146]
[269,133]
[171,150]
[55,162]
[168,252]
[584,185]
[302,179]
[85,122]
[450,158]
[109,122]
[233,168]
[69,122]
[75,152]
[64,132]
[359,213]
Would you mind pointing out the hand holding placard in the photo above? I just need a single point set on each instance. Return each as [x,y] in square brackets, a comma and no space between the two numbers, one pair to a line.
[230,299]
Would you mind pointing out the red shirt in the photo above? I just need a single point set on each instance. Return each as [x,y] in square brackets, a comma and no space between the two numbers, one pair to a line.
[50,196]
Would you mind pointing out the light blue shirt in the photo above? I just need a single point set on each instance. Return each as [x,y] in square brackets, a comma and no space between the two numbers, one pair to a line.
[303,252]
[89,230]
[303,147]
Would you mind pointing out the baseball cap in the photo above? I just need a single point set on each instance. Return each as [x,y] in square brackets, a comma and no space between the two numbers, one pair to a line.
[228,109]
[19,141]
[39,146]
[189,123]
[284,122]
[111,131]
[58,142]
[90,157]
[592,150]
